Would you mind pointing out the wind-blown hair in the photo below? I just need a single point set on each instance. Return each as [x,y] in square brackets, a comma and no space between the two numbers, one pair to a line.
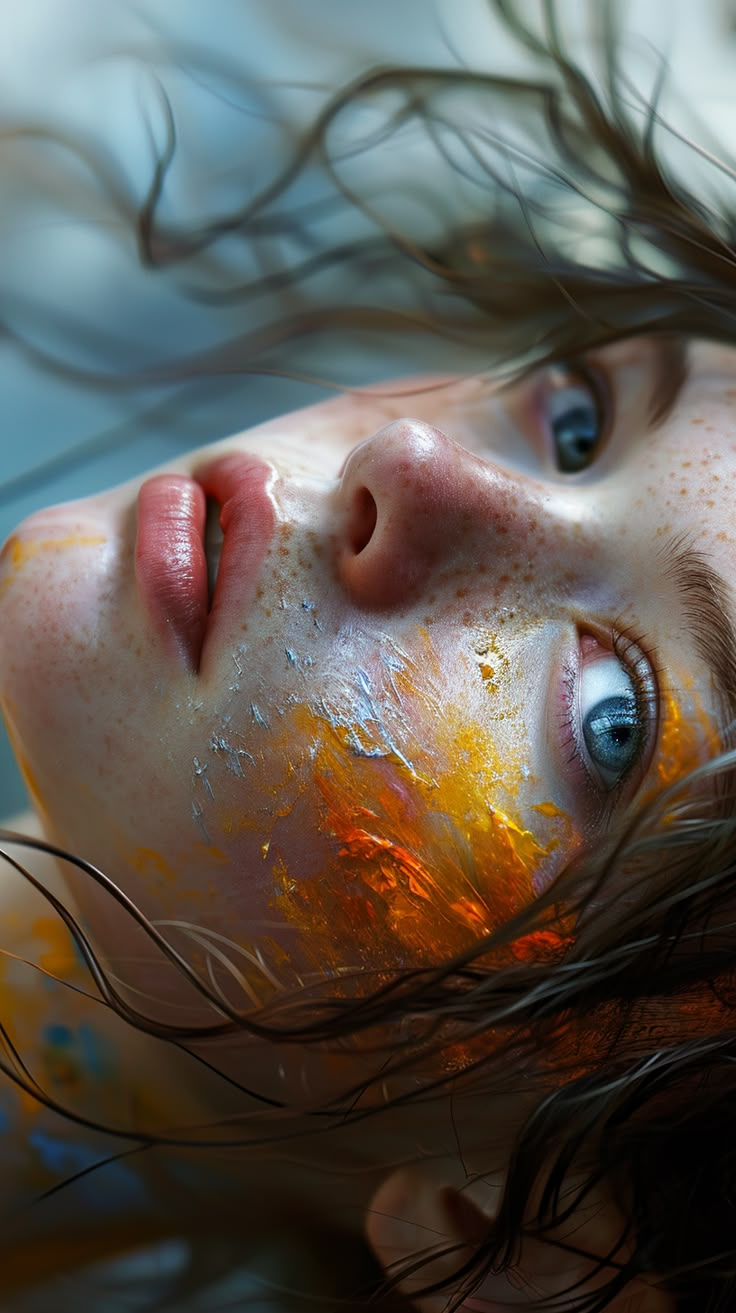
[571,231]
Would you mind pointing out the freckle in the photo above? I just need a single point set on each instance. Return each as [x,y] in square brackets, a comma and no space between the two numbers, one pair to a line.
[461,592]
[683,492]
[710,502]
[723,537]
[697,420]
[467,618]
[686,464]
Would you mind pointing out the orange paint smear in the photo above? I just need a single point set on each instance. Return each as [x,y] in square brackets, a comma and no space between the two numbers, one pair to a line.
[686,739]
[148,862]
[18,552]
[548,809]
[615,1034]
[416,871]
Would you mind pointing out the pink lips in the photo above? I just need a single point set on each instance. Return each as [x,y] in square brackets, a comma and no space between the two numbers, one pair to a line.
[170,563]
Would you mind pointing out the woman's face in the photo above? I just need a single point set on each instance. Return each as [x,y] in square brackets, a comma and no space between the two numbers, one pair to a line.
[454,639]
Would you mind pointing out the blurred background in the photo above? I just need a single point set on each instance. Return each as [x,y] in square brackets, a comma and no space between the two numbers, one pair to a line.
[115,355]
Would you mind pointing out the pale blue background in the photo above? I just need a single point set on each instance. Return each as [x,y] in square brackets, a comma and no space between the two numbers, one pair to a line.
[88,68]
[91,68]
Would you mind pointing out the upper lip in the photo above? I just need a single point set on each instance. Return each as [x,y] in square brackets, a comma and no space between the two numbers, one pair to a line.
[239,482]
[171,555]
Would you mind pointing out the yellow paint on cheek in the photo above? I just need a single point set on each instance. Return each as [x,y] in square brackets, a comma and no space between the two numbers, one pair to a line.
[686,737]
[210,853]
[19,551]
[549,809]
[416,869]
[493,663]
[148,862]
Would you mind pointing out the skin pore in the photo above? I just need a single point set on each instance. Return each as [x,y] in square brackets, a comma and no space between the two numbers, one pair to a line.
[446,667]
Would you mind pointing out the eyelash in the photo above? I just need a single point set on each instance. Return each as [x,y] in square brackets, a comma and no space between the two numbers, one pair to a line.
[644,673]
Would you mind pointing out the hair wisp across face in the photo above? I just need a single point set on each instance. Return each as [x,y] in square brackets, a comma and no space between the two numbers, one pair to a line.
[433,676]
[386,747]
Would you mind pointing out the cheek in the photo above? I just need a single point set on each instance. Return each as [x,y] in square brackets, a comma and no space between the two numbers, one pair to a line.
[399,833]
[54,585]
[365,827]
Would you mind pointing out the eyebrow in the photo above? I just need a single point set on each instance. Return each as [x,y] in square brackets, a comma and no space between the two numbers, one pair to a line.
[708,604]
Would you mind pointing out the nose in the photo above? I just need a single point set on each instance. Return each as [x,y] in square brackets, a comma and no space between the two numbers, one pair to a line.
[410,498]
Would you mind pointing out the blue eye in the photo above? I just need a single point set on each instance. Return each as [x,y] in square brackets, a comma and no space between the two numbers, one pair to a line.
[611,719]
[575,417]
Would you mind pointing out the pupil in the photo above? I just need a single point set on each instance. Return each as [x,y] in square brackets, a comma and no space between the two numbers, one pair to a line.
[611,733]
[576,434]
[620,733]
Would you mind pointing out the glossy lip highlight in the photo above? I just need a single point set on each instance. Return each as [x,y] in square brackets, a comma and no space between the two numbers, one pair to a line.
[170,557]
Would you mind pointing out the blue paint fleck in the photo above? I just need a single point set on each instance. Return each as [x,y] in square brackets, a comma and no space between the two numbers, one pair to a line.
[57,1035]
[97,1052]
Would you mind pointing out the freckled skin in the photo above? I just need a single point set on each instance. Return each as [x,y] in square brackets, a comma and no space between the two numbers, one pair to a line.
[359,653]
[374,770]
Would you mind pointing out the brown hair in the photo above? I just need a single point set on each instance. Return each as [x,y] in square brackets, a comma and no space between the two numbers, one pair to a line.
[627,1023]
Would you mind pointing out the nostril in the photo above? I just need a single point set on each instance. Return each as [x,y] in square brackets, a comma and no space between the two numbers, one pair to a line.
[364,514]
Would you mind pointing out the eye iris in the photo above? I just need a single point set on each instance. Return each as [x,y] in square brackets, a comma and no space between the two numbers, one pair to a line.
[575,424]
[612,734]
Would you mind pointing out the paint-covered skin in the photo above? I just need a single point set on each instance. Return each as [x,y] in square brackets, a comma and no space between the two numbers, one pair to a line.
[62,1052]
[381,754]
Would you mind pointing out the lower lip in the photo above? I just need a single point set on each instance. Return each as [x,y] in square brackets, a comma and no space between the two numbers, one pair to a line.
[171,567]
